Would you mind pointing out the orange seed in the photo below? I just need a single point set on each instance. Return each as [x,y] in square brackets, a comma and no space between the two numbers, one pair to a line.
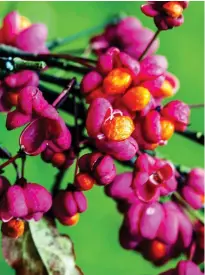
[167,129]
[12,98]
[58,159]
[117,81]
[84,181]
[157,250]
[118,128]
[13,229]
[136,98]
[173,8]
[71,220]
[166,89]
[202,198]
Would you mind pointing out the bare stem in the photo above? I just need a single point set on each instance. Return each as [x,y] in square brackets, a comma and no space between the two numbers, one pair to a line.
[15,64]
[60,81]
[67,105]
[61,64]
[62,41]
[197,137]
[149,45]
[9,52]
[23,160]
[197,105]
[4,154]
[76,134]
[11,160]
[58,180]
[70,57]
[21,64]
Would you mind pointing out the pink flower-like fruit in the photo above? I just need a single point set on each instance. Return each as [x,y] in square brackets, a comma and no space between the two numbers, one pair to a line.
[167,14]
[26,201]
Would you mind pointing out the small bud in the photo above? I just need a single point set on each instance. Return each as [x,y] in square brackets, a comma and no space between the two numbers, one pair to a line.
[73,220]
[117,81]
[119,128]
[136,98]
[167,129]
[157,250]
[13,229]
[84,181]
[58,159]
[173,8]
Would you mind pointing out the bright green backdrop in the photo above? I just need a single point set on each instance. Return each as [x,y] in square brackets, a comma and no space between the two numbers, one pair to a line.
[96,235]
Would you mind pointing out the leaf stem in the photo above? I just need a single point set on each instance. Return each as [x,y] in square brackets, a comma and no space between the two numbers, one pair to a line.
[69,57]
[61,98]
[62,41]
[53,62]
[149,45]
[60,81]
[67,105]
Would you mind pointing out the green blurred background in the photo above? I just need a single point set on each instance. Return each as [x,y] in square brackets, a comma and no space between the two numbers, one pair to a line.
[96,236]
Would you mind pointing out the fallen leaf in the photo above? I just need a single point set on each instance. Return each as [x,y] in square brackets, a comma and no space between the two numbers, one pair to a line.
[22,255]
[55,250]
[42,250]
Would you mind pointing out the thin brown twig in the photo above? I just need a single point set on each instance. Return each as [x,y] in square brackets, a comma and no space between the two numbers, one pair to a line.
[63,95]
[4,154]
[10,160]
[201,105]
